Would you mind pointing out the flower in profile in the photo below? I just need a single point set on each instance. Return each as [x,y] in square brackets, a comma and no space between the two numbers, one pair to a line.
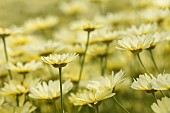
[59,60]
[143,29]
[90,97]
[136,44]
[162,106]
[24,68]
[162,82]
[156,39]
[86,26]
[50,90]
[109,82]
[40,24]
[48,48]
[144,82]
[5,32]
[17,87]
[26,108]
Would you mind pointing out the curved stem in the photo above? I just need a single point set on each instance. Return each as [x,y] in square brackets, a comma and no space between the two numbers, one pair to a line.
[153,60]
[162,93]
[97,109]
[142,63]
[61,95]
[83,59]
[120,105]
[154,96]
[6,55]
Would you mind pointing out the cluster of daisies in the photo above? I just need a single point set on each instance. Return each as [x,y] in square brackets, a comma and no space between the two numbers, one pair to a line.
[58,65]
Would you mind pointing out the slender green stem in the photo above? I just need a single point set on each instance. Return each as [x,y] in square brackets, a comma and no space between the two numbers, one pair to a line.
[97,109]
[17,100]
[142,63]
[153,60]
[83,59]
[61,95]
[55,107]
[162,93]
[169,93]
[6,55]
[154,96]
[120,105]
[101,66]
[106,57]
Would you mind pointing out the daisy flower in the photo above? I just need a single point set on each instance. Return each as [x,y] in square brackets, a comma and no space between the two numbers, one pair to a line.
[109,82]
[86,26]
[89,97]
[162,106]
[24,68]
[162,82]
[58,60]
[136,44]
[144,82]
[50,90]
[16,87]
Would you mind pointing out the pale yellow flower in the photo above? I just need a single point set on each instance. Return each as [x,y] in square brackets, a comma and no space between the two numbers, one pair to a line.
[162,106]
[143,29]
[144,82]
[59,60]
[26,108]
[135,44]
[162,82]
[24,68]
[89,97]
[5,32]
[109,82]
[50,90]
[86,26]
[40,24]
[16,87]
[48,48]
[74,7]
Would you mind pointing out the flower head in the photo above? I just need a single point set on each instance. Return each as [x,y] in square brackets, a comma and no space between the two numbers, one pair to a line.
[89,97]
[86,26]
[4,32]
[17,87]
[144,82]
[135,44]
[22,68]
[58,60]
[162,106]
[162,82]
[50,90]
[107,82]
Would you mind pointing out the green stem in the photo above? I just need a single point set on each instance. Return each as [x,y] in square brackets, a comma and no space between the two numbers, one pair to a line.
[83,59]
[162,93]
[153,60]
[142,63]
[97,109]
[154,96]
[101,66]
[17,100]
[61,95]
[106,57]
[120,105]
[6,55]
